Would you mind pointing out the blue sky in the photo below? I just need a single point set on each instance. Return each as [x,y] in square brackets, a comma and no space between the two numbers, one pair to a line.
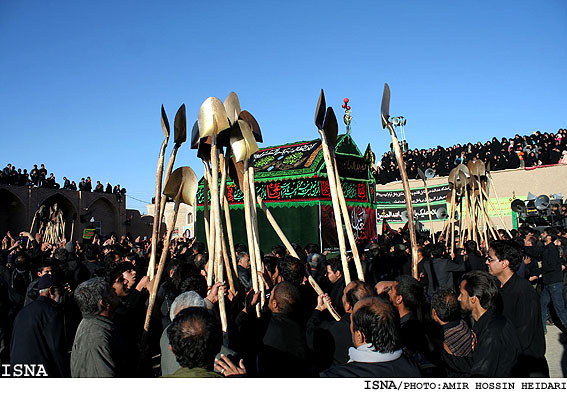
[81,83]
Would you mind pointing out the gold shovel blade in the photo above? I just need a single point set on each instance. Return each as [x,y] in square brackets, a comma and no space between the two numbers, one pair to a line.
[212,118]
[232,107]
[182,185]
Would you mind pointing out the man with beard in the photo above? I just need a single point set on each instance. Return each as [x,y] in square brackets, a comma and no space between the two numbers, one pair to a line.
[498,346]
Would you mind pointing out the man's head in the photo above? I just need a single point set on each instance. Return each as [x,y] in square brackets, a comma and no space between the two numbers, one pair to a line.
[478,292]
[375,321]
[195,338]
[44,268]
[406,293]
[354,292]
[96,297]
[285,298]
[50,286]
[504,258]
[334,269]
[549,235]
[185,300]
[291,270]
[445,306]
[243,260]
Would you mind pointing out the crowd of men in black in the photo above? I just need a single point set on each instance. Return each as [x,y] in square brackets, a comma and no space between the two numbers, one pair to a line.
[37,177]
[527,151]
[78,309]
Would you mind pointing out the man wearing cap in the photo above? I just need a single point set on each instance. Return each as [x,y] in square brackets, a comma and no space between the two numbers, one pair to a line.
[39,332]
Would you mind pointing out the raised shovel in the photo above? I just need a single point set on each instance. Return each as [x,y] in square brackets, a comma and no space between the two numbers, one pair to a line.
[159,174]
[182,187]
[385,115]
[320,114]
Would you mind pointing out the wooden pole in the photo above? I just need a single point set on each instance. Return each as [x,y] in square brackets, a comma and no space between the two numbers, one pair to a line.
[429,211]
[160,267]
[336,205]
[157,218]
[348,224]
[407,193]
[250,233]
[292,252]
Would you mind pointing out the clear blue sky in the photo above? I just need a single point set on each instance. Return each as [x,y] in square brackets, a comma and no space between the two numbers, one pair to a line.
[81,83]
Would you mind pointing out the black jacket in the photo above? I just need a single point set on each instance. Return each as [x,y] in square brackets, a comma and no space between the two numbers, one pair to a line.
[551,264]
[39,338]
[520,303]
[329,340]
[496,352]
[399,368]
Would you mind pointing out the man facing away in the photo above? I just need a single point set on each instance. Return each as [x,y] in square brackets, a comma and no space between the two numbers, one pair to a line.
[377,352]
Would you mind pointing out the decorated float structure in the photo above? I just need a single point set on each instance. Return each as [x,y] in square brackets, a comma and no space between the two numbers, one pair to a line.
[292,181]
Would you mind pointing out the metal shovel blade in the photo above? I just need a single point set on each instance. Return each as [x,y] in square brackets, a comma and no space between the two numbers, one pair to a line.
[421,174]
[320,111]
[385,108]
[195,135]
[212,117]
[331,127]
[237,143]
[164,123]
[182,185]
[251,145]
[232,107]
[251,120]
[180,126]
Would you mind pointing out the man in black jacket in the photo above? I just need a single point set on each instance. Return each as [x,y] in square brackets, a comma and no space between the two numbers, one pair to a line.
[519,302]
[498,346]
[377,352]
[39,333]
[552,278]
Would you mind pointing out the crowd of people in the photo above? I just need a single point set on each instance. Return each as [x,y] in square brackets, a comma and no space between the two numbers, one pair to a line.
[521,151]
[37,177]
[79,309]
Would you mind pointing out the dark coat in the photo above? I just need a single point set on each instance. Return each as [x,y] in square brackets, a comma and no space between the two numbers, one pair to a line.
[284,349]
[496,353]
[519,302]
[399,368]
[329,340]
[39,338]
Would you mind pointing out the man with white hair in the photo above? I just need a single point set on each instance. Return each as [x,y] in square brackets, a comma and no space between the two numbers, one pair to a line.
[185,300]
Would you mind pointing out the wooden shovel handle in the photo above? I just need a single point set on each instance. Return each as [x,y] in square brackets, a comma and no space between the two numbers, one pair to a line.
[327,304]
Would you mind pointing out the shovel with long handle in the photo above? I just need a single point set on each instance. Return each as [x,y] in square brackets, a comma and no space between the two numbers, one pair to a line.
[182,186]
[384,110]
[348,225]
[159,175]
[179,137]
[336,206]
